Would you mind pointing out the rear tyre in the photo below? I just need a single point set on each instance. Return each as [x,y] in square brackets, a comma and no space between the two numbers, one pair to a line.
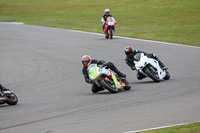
[127,87]
[167,76]
[110,87]
[151,74]
[12,99]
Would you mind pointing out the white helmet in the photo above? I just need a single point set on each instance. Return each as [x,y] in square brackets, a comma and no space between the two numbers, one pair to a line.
[107,11]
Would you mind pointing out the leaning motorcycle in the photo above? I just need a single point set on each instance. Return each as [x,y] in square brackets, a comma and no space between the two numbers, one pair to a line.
[7,96]
[105,78]
[150,67]
[109,27]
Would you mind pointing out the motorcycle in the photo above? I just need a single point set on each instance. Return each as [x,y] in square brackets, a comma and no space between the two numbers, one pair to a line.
[7,96]
[105,78]
[109,27]
[150,67]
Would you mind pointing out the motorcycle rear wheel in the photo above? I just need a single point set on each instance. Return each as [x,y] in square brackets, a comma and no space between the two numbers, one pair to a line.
[107,86]
[12,99]
[167,76]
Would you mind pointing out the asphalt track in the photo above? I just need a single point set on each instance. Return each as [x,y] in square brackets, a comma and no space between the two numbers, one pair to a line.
[43,67]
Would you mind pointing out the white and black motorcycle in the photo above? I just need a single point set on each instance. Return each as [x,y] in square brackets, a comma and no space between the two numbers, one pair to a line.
[150,67]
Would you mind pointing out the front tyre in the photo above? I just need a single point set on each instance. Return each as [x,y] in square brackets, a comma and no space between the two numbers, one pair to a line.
[111,34]
[110,87]
[12,99]
[152,75]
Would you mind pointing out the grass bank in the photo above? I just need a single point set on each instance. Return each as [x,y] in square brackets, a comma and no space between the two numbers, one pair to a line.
[176,21]
[188,128]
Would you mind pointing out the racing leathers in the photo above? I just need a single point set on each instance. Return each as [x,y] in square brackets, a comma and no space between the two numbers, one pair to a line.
[104,19]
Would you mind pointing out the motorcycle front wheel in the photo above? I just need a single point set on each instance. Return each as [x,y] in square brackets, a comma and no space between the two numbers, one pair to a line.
[110,87]
[111,33]
[152,75]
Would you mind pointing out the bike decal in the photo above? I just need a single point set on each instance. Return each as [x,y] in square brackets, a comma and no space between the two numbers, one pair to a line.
[2,98]
[99,70]
[117,83]
[92,72]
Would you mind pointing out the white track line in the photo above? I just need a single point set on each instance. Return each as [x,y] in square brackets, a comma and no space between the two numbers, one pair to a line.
[138,39]
[158,127]
[11,22]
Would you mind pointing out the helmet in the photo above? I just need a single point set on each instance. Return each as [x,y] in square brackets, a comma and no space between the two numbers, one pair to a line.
[128,51]
[86,60]
[107,11]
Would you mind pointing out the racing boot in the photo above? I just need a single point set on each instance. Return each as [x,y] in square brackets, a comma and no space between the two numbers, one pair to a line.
[103,28]
[114,68]
[162,65]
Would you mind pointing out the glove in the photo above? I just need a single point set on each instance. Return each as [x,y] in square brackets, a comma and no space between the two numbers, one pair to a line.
[104,65]
[90,81]
[133,68]
[151,55]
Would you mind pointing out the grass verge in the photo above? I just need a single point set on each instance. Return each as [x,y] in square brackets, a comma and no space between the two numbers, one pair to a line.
[187,128]
[162,20]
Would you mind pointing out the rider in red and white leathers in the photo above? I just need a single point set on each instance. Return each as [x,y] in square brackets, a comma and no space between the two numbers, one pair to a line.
[104,17]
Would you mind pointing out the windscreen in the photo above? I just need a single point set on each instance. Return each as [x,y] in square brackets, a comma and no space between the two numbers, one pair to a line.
[137,57]
[90,66]
[110,18]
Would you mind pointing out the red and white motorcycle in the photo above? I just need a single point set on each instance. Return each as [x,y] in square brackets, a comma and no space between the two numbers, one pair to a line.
[109,27]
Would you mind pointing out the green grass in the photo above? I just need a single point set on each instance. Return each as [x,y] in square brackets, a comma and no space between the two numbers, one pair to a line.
[188,128]
[176,21]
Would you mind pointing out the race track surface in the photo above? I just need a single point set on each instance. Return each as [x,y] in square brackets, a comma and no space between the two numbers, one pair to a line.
[43,67]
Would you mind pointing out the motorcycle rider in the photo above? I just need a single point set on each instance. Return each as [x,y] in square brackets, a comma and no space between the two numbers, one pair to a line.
[130,53]
[3,89]
[86,61]
[104,17]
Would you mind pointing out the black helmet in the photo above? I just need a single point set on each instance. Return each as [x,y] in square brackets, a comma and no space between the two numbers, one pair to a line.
[128,51]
